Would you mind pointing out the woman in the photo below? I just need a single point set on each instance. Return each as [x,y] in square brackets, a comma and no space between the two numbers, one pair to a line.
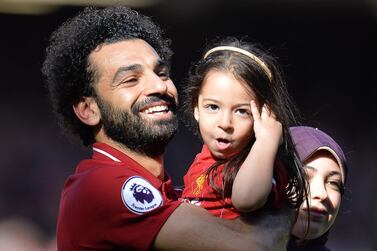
[326,167]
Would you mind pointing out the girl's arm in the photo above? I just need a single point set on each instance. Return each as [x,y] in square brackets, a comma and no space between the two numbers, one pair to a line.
[253,182]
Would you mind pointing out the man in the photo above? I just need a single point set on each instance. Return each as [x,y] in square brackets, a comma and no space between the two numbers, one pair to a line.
[108,77]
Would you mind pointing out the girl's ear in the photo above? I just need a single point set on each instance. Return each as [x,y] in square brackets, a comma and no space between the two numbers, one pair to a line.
[86,109]
[196,114]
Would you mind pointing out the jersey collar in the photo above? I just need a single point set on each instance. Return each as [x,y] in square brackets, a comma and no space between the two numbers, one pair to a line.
[103,151]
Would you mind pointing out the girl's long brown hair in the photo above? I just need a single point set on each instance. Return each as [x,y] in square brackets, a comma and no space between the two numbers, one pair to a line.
[270,91]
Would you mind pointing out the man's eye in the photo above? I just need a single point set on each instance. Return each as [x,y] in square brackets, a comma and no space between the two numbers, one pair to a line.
[163,74]
[129,80]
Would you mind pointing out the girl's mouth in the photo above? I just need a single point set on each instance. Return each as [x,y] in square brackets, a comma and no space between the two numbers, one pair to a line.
[222,144]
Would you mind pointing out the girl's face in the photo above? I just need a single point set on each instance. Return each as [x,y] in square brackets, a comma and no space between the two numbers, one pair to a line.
[224,114]
[325,182]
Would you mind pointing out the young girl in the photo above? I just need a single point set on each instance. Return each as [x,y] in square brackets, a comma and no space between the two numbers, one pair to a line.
[326,166]
[239,102]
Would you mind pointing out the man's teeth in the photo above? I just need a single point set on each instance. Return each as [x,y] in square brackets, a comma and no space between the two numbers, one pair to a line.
[159,108]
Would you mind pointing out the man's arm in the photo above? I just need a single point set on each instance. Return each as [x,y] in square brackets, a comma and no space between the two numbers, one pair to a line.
[193,228]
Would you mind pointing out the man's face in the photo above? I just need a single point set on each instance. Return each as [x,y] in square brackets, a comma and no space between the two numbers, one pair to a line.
[136,97]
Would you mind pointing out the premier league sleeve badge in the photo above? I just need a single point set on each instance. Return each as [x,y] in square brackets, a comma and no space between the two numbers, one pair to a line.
[140,196]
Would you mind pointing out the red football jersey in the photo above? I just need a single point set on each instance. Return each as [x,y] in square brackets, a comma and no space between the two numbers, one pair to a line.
[197,190]
[110,202]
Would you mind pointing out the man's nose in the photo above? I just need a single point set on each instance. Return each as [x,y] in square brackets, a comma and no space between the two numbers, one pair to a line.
[156,85]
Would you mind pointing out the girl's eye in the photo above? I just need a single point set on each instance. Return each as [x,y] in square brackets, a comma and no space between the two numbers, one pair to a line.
[211,107]
[243,112]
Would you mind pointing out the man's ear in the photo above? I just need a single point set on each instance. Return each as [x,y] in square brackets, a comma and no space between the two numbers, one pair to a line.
[86,109]
[196,114]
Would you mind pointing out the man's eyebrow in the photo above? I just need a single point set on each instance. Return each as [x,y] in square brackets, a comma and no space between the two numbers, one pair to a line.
[161,64]
[122,69]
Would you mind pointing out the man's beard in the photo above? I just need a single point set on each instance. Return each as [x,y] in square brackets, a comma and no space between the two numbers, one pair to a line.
[138,134]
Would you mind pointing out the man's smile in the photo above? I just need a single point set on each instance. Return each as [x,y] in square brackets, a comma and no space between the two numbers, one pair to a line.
[156,109]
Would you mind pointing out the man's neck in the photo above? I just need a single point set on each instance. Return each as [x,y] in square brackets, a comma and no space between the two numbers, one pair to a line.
[154,165]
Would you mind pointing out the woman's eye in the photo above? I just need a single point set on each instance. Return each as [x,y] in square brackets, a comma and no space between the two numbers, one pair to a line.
[335,184]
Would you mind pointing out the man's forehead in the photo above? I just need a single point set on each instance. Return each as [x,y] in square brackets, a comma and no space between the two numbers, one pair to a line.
[129,51]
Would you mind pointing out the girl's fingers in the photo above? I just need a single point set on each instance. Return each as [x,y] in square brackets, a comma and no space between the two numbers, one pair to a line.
[265,112]
[255,111]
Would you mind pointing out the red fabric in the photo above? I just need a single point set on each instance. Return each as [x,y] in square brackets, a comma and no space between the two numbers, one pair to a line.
[197,190]
[93,214]
[281,178]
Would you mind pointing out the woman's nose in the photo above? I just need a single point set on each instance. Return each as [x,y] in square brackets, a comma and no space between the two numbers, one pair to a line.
[318,189]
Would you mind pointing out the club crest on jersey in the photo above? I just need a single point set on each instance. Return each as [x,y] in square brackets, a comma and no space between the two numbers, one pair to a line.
[140,196]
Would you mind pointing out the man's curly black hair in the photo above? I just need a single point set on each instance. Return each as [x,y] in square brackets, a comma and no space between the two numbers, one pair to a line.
[66,68]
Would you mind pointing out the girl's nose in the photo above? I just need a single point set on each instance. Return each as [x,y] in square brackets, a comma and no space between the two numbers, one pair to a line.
[225,121]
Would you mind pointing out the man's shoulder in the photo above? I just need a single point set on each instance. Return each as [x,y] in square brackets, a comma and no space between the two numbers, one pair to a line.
[98,177]
[101,170]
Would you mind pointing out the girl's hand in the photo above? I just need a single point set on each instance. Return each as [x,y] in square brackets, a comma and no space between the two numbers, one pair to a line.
[266,127]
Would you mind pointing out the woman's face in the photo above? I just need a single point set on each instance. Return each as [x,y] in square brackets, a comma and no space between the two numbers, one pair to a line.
[325,182]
